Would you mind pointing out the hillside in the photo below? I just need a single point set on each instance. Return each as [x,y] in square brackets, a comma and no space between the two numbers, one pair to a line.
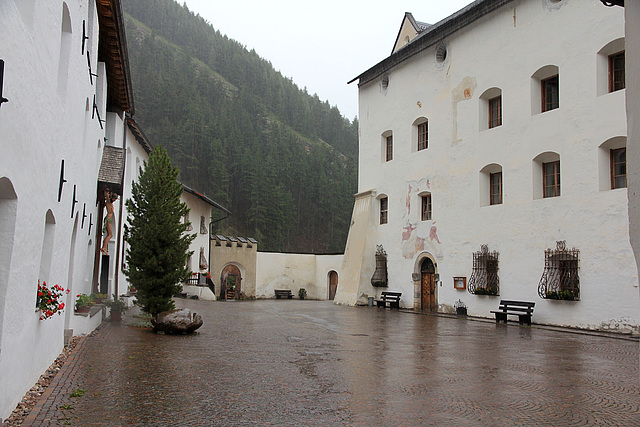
[283,161]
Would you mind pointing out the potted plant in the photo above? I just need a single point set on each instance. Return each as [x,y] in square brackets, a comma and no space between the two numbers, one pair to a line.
[302,293]
[117,306]
[49,300]
[99,298]
[83,303]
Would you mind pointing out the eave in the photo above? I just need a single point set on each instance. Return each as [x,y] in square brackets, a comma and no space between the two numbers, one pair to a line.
[112,50]
[206,199]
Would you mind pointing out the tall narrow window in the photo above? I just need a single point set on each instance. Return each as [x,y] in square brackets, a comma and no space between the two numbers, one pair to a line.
[551,179]
[495,188]
[423,136]
[484,277]
[616,72]
[384,210]
[495,112]
[426,207]
[389,149]
[550,93]
[560,279]
[619,168]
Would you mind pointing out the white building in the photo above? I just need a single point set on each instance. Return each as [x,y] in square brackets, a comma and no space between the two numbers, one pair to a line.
[493,161]
[66,133]
[67,83]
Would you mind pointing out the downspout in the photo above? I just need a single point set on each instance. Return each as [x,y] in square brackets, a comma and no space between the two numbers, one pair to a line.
[120,225]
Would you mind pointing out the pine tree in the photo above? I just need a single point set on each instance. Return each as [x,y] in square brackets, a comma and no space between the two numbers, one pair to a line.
[158,243]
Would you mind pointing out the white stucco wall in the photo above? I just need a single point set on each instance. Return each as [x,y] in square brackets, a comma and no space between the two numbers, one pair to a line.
[501,51]
[295,271]
[47,120]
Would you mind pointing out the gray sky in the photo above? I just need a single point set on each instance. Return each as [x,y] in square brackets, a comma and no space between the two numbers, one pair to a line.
[321,45]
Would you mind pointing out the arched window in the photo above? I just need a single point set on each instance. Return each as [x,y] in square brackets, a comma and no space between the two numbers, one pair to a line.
[546,175]
[491,185]
[545,89]
[420,134]
[47,246]
[610,67]
[612,164]
[491,108]
[65,51]
[8,211]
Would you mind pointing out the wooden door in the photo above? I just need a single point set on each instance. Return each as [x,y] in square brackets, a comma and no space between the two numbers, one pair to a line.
[428,285]
[333,284]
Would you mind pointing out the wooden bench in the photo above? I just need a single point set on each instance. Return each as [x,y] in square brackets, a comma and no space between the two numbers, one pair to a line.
[522,309]
[391,298]
[283,293]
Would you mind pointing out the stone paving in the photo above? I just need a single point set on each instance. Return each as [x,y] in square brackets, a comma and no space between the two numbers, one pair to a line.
[290,362]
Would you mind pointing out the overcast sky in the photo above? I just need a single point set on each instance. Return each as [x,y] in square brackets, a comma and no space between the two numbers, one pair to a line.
[321,45]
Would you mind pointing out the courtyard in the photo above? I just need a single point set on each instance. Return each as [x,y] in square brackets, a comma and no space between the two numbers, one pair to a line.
[291,362]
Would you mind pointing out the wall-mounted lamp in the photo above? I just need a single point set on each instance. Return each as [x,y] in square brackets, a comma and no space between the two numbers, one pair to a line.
[62,181]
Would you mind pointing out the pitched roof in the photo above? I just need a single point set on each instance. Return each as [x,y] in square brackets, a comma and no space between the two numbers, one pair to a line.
[112,168]
[206,199]
[431,36]
[139,134]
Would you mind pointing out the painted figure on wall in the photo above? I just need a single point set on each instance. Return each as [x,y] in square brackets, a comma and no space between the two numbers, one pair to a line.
[109,198]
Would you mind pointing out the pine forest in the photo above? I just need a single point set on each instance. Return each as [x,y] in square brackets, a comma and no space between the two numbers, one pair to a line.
[283,161]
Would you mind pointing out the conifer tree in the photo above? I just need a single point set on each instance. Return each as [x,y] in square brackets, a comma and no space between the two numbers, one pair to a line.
[156,235]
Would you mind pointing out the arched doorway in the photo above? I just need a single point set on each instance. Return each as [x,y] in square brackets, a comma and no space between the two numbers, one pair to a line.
[428,285]
[230,282]
[333,284]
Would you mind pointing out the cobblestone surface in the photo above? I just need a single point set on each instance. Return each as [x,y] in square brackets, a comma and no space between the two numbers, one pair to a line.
[289,362]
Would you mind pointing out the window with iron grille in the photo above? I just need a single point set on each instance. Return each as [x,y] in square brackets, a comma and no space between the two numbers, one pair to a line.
[495,112]
[616,72]
[423,136]
[384,210]
[560,279]
[484,277]
[619,168]
[550,93]
[186,221]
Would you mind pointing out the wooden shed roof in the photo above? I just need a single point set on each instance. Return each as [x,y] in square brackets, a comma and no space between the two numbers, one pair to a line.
[112,50]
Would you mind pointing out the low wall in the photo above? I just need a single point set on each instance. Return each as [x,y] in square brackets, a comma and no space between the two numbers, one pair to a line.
[295,271]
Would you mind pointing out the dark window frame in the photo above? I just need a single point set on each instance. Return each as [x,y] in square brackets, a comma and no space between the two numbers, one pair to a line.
[423,136]
[550,88]
[618,164]
[389,148]
[426,213]
[492,186]
[555,186]
[495,112]
[384,210]
[617,71]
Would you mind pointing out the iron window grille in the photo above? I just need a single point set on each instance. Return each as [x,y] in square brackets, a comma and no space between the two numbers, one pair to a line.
[484,278]
[203,226]
[560,279]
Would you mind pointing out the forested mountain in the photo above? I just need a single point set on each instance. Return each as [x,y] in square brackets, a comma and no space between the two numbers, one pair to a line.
[283,161]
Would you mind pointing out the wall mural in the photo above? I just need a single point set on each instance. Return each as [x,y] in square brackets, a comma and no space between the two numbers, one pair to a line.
[418,236]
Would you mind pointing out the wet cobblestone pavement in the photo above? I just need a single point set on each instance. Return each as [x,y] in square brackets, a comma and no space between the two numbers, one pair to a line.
[281,363]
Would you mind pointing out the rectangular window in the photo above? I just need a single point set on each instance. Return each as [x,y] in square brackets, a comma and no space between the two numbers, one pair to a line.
[203,225]
[484,277]
[426,207]
[495,188]
[389,148]
[619,168]
[551,179]
[616,72]
[550,93]
[423,136]
[495,112]
[384,210]
[560,279]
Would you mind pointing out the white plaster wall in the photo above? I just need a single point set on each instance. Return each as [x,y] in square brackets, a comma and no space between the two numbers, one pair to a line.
[632,22]
[295,271]
[43,123]
[198,208]
[493,52]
